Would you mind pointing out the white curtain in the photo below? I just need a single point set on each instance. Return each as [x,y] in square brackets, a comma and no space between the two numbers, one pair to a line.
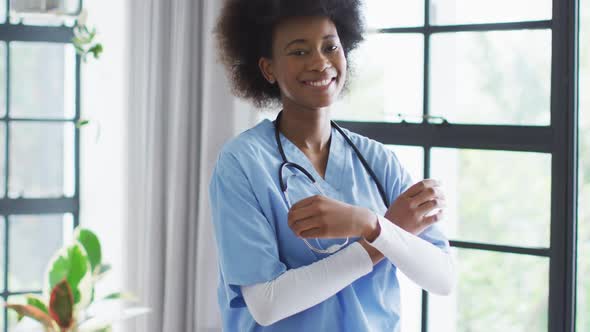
[180,114]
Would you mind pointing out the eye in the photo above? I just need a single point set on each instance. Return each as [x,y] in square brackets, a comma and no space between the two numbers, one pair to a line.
[298,53]
[332,48]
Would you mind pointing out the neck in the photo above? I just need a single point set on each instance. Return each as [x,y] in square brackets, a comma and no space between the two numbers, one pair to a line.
[309,130]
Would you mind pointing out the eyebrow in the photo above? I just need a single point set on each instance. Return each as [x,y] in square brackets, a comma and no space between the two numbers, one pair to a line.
[304,40]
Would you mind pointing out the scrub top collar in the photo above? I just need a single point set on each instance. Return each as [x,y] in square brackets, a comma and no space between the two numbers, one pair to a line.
[337,156]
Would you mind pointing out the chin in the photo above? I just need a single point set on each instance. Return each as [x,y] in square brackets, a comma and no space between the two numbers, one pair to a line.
[325,101]
[313,102]
[321,104]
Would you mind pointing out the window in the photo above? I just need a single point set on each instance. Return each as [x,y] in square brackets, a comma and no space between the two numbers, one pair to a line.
[583,289]
[39,109]
[482,95]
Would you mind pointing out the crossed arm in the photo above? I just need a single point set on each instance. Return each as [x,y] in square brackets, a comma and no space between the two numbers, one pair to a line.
[299,289]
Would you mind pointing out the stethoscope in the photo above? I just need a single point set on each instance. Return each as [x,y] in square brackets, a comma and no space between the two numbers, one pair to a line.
[335,247]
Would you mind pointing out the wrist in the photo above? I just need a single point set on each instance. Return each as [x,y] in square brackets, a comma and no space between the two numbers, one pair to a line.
[375,255]
[372,228]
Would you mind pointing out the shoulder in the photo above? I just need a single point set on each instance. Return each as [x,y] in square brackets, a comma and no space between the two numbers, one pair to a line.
[371,149]
[251,146]
[384,163]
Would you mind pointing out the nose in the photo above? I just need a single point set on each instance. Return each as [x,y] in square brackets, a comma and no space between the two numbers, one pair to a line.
[319,62]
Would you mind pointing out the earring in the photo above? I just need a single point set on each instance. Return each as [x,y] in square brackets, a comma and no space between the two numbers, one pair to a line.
[271,81]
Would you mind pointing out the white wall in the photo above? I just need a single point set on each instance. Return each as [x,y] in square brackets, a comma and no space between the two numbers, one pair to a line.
[103,159]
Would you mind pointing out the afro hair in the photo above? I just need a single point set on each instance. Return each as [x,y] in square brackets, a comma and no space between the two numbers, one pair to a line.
[244,34]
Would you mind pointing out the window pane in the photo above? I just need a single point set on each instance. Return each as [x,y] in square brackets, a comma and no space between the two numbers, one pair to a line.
[2,249]
[2,20]
[485,11]
[411,304]
[41,159]
[40,7]
[500,77]
[34,239]
[34,13]
[43,20]
[393,13]
[387,79]
[2,158]
[2,78]
[12,321]
[583,289]
[494,292]
[42,80]
[411,158]
[495,196]
[26,324]
[2,313]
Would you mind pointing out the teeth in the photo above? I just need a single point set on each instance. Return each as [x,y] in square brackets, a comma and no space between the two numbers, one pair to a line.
[319,83]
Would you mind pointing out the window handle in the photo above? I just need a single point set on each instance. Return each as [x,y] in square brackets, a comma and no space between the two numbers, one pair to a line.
[431,119]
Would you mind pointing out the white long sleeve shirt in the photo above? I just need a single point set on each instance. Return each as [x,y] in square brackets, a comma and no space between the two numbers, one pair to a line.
[299,289]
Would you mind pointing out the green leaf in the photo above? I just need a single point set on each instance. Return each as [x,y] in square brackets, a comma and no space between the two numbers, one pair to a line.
[81,123]
[84,38]
[37,302]
[80,40]
[61,304]
[71,263]
[106,329]
[121,296]
[96,50]
[36,314]
[91,244]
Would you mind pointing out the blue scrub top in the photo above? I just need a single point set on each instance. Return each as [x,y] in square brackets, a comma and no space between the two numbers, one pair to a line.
[256,245]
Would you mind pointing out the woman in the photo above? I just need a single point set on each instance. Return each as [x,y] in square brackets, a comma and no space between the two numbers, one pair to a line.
[307,236]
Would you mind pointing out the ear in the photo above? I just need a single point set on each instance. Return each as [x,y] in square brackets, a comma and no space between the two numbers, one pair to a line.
[265,65]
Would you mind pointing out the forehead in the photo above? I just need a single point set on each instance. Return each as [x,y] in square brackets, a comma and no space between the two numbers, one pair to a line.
[310,28]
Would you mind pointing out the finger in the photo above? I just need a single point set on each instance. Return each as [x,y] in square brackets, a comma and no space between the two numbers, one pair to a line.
[304,225]
[301,213]
[428,194]
[425,208]
[434,218]
[312,233]
[418,187]
[305,202]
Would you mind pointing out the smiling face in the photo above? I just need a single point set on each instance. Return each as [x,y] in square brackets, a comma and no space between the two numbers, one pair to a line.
[307,63]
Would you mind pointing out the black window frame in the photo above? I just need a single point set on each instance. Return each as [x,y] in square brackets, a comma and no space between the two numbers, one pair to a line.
[560,139]
[19,32]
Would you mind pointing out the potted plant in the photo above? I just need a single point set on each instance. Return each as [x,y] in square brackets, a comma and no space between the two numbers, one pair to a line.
[68,298]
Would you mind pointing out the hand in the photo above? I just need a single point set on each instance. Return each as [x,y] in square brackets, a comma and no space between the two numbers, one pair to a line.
[411,209]
[323,217]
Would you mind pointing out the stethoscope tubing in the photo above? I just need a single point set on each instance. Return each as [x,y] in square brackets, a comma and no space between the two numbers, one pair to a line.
[311,178]
[287,163]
